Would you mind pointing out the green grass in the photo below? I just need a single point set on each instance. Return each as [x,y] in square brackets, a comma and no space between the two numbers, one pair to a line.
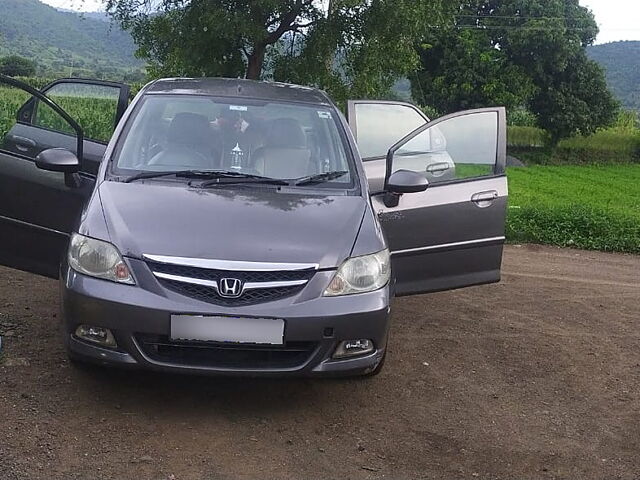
[590,207]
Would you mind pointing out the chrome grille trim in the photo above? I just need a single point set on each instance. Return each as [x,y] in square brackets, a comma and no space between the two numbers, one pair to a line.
[231,265]
[214,284]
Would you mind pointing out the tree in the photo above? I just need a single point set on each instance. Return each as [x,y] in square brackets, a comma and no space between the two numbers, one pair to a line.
[344,46]
[537,53]
[16,66]
[462,70]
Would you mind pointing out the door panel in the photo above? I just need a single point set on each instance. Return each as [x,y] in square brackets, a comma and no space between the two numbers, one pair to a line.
[441,239]
[37,209]
[452,234]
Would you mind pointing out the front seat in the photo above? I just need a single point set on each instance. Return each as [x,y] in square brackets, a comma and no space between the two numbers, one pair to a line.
[190,144]
[286,153]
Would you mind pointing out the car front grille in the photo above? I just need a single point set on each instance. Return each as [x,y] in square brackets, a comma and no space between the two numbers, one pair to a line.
[203,283]
[160,348]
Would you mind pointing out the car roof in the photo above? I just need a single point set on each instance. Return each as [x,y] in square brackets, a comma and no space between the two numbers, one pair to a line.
[238,88]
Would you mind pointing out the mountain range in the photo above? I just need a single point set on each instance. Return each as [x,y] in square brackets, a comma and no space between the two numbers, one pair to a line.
[65,42]
[621,60]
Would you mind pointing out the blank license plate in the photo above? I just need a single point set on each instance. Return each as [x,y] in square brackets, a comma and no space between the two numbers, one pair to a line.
[266,331]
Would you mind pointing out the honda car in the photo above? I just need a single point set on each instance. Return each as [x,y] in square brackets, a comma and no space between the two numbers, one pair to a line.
[235,227]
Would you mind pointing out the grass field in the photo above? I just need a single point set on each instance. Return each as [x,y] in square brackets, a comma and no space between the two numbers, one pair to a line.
[590,207]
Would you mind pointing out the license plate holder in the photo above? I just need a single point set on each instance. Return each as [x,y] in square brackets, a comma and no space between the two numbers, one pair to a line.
[235,330]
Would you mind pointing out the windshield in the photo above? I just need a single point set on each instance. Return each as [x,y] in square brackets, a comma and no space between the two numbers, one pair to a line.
[275,140]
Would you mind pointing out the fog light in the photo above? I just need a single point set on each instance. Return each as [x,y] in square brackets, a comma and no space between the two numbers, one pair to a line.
[99,335]
[352,348]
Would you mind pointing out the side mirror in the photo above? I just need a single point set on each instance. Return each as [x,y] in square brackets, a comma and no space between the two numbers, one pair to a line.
[58,160]
[61,160]
[403,181]
[407,181]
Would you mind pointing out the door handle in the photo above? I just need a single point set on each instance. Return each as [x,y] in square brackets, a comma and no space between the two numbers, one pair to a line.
[484,199]
[23,143]
[437,169]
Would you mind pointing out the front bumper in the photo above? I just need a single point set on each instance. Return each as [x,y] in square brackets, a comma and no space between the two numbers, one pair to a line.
[314,325]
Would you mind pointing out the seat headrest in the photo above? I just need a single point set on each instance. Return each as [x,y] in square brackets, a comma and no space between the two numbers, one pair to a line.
[189,129]
[286,133]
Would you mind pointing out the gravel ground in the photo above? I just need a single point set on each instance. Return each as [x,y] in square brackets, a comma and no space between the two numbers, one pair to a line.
[536,377]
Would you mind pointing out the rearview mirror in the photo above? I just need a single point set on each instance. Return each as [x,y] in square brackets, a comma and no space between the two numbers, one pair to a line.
[58,160]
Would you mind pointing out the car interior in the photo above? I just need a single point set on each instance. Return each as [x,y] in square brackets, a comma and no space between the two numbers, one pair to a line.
[272,140]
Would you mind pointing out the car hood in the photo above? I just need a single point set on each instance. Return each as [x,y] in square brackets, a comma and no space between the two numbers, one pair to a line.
[254,224]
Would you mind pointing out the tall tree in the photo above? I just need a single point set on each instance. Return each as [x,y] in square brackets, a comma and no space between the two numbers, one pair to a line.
[534,43]
[345,46]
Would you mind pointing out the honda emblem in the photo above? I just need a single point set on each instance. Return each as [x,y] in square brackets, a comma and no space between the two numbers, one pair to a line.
[230,287]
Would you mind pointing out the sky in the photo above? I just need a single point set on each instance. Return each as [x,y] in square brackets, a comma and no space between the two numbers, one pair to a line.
[618,19]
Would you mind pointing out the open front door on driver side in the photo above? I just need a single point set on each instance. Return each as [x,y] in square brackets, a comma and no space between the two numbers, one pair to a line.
[451,235]
[38,208]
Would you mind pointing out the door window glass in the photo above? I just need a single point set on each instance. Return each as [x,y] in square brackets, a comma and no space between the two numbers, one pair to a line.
[94,107]
[11,99]
[458,148]
[382,125]
[18,136]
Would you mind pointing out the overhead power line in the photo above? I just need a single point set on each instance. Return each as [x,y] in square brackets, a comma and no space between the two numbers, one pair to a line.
[519,17]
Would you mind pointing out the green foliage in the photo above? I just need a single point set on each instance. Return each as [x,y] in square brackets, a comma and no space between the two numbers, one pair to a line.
[66,43]
[11,99]
[519,54]
[616,145]
[527,137]
[347,47]
[595,208]
[521,117]
[621,61]
[95,115]
[577,101]
[461,70]
[15,65]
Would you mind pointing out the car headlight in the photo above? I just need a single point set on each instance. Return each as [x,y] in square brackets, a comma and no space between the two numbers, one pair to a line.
[98,259]
[361,274]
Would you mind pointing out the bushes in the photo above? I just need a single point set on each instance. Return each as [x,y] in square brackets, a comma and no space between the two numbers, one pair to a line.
[619,144]
[527,137]
[574,226]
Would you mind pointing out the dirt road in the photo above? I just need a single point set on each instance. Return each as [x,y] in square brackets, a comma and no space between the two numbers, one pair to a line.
[537,377]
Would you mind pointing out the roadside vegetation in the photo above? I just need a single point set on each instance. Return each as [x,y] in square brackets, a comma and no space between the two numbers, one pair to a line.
[618,144]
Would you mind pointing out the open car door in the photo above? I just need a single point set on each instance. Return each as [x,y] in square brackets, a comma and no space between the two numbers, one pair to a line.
[39,208]
[451,234]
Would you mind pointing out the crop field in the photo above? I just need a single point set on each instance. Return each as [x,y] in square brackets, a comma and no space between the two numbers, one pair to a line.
[590,207]
[95,115]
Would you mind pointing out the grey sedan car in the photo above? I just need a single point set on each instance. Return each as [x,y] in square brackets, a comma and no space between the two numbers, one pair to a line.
[233,227]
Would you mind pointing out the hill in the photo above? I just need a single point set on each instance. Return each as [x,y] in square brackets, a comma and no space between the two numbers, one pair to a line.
[621,60]
[64,42]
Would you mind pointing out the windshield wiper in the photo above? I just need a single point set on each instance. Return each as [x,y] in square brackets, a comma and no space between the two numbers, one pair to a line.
[319,178]
[177,173]
[228,177]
